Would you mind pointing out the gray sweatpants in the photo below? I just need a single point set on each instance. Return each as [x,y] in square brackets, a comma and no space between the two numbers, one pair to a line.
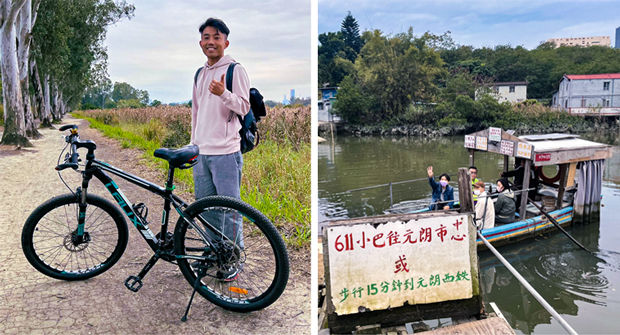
[221,175]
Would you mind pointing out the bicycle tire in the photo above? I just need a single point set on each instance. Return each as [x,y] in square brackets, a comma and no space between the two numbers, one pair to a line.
[261,255]
[54,221]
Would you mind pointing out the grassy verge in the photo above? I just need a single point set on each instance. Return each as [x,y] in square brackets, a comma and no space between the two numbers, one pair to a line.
[276,175]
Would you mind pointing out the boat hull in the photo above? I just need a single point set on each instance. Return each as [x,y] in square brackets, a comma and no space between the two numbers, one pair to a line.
[521,230]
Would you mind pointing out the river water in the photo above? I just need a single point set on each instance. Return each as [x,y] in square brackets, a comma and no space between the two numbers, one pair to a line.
[583,288]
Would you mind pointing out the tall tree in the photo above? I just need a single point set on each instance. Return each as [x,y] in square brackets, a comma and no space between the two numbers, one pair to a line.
[14,119]
[398,70]
[25,21]
[351,35]
[69,49]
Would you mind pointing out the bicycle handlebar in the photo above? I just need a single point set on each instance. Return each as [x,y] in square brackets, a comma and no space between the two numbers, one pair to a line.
[72,160]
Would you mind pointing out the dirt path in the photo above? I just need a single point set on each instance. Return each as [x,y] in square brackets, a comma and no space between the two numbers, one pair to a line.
[32,303]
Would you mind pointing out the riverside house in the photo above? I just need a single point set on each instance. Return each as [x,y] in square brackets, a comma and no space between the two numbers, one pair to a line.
[584,94]
[514,91]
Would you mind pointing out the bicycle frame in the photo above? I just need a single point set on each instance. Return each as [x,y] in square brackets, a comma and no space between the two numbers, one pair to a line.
[98,169]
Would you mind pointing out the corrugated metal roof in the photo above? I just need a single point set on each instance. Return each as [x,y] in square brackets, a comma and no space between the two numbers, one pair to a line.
[557,142]
[593,76]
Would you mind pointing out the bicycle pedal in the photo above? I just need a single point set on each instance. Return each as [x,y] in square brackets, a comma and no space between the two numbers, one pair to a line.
[133,283]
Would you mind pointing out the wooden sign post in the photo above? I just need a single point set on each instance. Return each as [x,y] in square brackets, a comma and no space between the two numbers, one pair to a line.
[389,271]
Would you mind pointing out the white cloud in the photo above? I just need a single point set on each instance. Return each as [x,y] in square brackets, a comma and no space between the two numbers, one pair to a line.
[158,50]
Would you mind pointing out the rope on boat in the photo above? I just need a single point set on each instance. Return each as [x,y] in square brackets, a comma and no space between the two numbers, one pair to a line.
[524,282]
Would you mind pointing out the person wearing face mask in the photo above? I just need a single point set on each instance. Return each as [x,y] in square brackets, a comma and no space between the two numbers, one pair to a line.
[505,206]
[441,191]
[485,210]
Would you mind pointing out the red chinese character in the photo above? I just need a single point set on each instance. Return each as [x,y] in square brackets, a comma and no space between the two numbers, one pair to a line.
[401,265]
[393,238]
[374,241]
[408,237]
[426,234]
[441,232]
[363,240]
[457,224]
[458,237]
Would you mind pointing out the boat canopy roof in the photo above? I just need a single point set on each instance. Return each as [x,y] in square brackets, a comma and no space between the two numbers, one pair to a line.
[549,149]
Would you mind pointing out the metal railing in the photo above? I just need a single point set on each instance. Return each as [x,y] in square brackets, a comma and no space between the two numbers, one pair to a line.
[390,184]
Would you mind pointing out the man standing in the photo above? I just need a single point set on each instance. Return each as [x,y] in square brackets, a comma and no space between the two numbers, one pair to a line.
[215,127]
[473,172]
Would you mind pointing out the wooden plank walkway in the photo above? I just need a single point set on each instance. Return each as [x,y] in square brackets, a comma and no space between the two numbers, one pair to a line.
[490,326]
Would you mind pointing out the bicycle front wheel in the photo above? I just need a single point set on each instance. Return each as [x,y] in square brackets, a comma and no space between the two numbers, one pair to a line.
[51,245]
[246,267]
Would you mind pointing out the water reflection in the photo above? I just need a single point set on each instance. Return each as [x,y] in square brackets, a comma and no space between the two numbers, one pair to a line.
[356,162]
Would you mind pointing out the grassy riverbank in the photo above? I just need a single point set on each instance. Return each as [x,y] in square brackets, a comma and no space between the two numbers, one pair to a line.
[276,174]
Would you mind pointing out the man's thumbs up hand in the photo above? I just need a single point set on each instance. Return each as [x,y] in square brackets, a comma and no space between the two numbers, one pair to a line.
[218,87]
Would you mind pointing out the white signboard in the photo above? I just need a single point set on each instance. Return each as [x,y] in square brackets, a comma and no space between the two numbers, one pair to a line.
[419,262]
[508,148]
[470,141]
[524,150]
[495,134]
[481,143]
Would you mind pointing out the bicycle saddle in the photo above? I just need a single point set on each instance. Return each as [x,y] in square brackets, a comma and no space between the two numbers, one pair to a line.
[177,157]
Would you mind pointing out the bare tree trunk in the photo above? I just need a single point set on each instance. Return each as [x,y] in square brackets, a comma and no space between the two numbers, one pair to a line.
[23,50]
[14,120]
[47,102]
[42,111]
[55,105]
[52,98]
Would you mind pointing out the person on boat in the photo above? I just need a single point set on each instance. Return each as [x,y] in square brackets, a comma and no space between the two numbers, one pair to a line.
[518,175]
[441,191]
[473,173]
[505,205]
[485,210]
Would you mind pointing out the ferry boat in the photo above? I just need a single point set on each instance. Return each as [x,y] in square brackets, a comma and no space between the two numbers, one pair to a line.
[575,191]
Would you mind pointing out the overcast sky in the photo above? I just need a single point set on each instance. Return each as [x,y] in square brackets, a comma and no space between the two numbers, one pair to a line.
[157,50]
[479,22]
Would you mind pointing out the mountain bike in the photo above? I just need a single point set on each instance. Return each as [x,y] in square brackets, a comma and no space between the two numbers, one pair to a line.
[228,251]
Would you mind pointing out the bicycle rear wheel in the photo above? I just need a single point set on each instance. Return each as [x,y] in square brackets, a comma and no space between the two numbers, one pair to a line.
[247,268]
[49,237]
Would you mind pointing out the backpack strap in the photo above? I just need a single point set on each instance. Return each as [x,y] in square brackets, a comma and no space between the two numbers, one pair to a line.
[229,76]
[196,75]
[229,82]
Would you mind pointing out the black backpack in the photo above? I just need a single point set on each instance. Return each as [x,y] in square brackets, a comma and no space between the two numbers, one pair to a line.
[249,131]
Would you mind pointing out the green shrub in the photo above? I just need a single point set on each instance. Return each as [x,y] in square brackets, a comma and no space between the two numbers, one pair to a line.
[154,131]
[179,134]
[107,118]
[88,106]
[131,103]
[450,121]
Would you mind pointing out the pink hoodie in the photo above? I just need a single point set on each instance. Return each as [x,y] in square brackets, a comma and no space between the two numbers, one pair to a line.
[215,128]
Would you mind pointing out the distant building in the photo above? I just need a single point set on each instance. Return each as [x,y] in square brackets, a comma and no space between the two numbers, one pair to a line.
[285,101]
[513,91]
[617,45]
[589,93]
[583,41]
[292,94]
[328,96]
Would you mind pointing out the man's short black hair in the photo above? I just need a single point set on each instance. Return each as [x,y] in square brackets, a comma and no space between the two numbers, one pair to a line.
[215,23]
[446,175]
[473,167]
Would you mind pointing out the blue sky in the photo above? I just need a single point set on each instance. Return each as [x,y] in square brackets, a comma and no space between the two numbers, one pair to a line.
[479,23]
[158,49]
